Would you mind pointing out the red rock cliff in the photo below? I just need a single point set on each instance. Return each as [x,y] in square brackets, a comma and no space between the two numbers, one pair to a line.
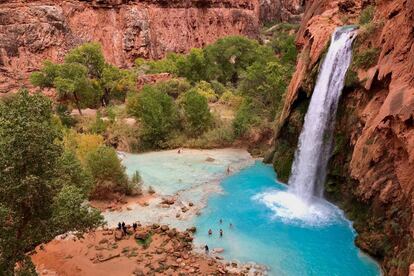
[379,167]
[32,31]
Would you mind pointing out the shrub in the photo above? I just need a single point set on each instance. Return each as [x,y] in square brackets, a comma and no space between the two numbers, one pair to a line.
[196,111]
[366,59]
[244,118]
[98,126]
[351,79]
[81,144]
[108,174]
[367,15]
[205,89]
[231,99]
[174,87]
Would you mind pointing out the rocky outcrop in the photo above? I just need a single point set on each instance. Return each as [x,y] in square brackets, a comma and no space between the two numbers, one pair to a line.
[32,31]
[281,10]
[372,174]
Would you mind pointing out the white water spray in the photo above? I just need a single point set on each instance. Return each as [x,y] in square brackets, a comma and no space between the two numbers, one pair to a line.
[315,142]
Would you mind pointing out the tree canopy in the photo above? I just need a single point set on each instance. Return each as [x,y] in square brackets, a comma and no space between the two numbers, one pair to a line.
[30,184]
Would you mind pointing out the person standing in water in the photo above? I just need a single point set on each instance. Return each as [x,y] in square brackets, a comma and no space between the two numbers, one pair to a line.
[221,233]
[210,232]
[221,221]
[228,170]
[206,248]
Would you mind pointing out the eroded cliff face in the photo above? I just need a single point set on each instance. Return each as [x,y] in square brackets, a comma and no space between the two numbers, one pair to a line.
[372,170]
[32,31]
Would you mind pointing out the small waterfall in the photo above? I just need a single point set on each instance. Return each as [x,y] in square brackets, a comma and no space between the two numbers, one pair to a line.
[315,141]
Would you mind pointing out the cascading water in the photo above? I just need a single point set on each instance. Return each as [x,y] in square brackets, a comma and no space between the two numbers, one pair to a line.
[302,202]
[315,142]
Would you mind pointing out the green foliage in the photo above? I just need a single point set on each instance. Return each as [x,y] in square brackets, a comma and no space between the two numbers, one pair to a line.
[284,45]
[196,112]
[266,84]
[46,76]
[89,55]
[30,179]
[166,65]
[73,173]
[158,114]
[108,173]
[84,78]
[366,59]
[70,212]
[64,115]
[230,99]
[245,117]
[194,66]
[98,126]
[116,83]
[283,160]
[174,87]
[351,79]
[229,57]
[367,15]
[206,90]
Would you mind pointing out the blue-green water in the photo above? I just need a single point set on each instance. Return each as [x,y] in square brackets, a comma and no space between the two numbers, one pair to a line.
[311,242]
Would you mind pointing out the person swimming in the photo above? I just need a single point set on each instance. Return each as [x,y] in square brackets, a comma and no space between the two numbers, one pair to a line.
[210,232]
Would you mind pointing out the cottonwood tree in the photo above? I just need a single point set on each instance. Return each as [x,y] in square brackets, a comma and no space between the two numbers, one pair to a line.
[35,205]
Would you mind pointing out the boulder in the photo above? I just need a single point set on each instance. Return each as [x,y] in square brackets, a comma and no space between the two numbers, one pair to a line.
[141,235]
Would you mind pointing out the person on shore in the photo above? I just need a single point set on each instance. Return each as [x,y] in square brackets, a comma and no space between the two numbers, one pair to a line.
[119,226]
[228,170]
[221,233]
[210,232]
[179,151]
[135,225]
[206,248]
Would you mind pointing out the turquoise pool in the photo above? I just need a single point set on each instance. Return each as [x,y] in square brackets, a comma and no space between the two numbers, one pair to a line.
[289,239]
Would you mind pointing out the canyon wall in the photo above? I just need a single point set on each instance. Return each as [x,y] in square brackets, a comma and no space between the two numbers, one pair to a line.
[32,31]
[372,169]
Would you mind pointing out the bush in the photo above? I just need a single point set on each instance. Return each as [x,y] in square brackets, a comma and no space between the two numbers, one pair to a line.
[366,15]
[174,87]
[351,79]
[81,144]
[196,112]
[108,173]
[231,99]
[205,89]
[245,117]
[366,59]
[98,126]
[158,114]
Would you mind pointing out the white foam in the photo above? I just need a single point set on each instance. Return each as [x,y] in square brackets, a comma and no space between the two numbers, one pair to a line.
[293,210]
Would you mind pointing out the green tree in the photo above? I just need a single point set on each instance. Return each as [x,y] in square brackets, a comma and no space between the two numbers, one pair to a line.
[197,113]
[157,112]
[89,55]
[29,162]
[73,173]
[72,83]
[194,66]
[115,83]
[108,173]
[266,85]
[245,117]
[229,57]
[46,76]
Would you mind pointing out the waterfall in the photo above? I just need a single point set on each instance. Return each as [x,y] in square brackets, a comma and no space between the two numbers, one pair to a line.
[315,141]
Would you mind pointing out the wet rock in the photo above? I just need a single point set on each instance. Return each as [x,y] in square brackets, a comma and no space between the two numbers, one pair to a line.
[165,228]
[172,233]
[192,229]
[168,200]
[155,226]
[191,204]
[218,250]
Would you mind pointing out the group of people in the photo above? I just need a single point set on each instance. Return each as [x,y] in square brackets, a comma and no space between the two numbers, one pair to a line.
[210,232]
[123,227]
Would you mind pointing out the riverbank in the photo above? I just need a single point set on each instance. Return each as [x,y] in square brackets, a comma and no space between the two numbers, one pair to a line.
[150,250]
